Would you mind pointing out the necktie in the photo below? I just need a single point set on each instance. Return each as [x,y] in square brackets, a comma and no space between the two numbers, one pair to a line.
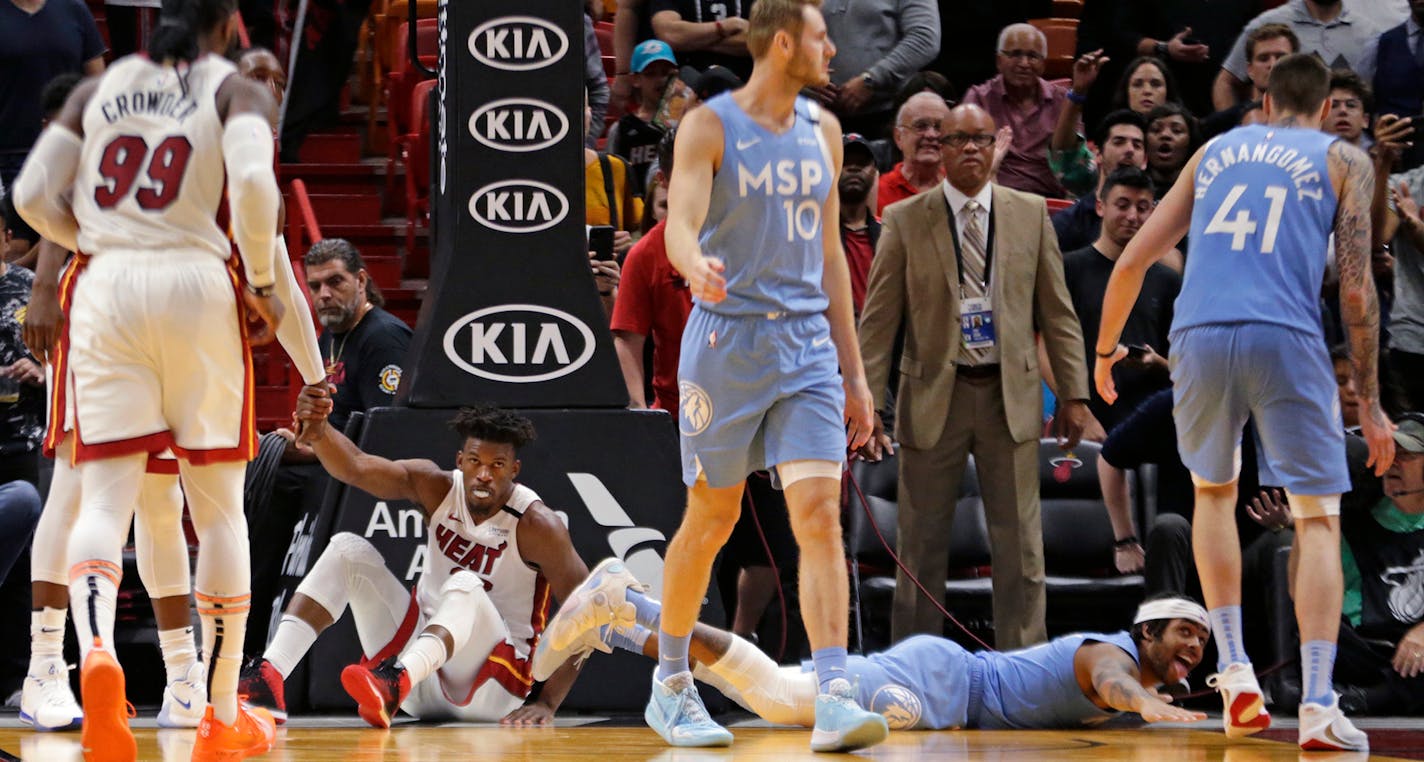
[972,279]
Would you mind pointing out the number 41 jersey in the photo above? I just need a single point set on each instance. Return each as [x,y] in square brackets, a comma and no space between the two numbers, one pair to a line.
[151,173]
[1261,224]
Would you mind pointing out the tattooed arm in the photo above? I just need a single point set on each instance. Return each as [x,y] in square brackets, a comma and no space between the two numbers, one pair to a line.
[1354,178]
[1116,683]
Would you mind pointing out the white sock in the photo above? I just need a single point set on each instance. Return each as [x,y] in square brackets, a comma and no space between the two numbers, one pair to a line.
[92,598]
[179,653]
[293,639]
[46,637]
[423,657]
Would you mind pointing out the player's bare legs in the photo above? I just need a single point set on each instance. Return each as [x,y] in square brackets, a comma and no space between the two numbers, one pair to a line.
[1217,550]
[814,508]
[675,710]
[687,568]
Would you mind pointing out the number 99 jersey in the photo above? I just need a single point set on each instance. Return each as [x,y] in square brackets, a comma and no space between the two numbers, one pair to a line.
[151,175]
[1261,223]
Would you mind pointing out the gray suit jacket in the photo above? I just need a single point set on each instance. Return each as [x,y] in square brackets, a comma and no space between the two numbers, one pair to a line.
[914,282]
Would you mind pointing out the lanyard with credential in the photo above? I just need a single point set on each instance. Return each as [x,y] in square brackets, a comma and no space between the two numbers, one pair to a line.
[988,248]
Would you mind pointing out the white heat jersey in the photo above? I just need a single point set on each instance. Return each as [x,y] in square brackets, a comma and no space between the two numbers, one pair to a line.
[490,549]
[151,174]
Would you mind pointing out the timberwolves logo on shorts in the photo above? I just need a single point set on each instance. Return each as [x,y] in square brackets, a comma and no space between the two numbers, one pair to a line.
[696,408]
[899,705]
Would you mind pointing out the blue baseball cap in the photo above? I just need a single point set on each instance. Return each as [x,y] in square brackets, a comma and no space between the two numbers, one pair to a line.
[649,51]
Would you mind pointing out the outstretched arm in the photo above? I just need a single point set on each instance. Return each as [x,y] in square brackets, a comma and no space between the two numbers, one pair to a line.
[417,481]
[1354,179]
[1117,683]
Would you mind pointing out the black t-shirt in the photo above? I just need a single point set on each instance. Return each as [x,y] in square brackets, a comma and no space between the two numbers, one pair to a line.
[637,142]
[365,363]
[1086,272]
[22,413]
[35,48]
[701,12]
[1078,225]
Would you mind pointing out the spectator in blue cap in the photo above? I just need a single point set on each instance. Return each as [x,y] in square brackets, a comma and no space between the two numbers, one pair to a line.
[635,137]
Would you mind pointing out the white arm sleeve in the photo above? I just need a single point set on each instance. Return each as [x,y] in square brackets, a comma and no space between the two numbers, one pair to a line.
[43,187]
[252,194]
[297,335]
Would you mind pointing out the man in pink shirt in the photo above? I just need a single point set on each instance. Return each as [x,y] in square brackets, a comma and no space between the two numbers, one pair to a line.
[1020,98]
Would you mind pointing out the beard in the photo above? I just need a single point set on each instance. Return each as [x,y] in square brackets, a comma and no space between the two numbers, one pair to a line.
[336,317]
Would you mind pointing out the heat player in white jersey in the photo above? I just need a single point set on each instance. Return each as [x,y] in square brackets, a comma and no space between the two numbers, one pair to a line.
[131,176]
[458,646]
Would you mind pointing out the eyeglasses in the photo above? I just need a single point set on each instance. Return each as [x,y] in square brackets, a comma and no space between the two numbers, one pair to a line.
[960,139]
[1032,55]
[924,125]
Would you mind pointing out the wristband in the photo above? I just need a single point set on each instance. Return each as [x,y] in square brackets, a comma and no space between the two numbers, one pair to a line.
[1076,97]
[1161,50]
[1125,542]
[1108,353]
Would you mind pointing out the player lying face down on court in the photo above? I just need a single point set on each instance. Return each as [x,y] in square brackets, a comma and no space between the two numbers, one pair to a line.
[459,648]
[921,683]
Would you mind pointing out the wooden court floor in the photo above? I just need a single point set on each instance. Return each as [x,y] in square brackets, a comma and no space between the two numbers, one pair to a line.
[347,741]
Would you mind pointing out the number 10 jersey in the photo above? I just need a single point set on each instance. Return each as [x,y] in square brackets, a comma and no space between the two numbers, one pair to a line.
[151,175]
[1261,224]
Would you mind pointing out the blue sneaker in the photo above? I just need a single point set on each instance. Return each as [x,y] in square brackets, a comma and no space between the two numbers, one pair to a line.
[841,724]
[677,713]
[584,622]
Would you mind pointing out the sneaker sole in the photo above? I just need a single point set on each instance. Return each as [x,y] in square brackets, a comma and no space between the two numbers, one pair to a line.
[360,686]
[559,637]
[868,733]
[28,720]
[1247,704]
[106,735]
[711,743]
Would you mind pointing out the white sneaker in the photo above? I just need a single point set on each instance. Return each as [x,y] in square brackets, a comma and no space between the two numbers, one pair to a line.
[46,702]
[1244,710]
[574,631]
[1326,728]
[185,700]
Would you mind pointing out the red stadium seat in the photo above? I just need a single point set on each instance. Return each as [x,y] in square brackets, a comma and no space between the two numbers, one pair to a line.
[416,150]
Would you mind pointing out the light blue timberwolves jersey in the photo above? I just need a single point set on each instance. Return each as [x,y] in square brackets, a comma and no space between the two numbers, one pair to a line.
[764,219]
[1261,224]
[1036,687]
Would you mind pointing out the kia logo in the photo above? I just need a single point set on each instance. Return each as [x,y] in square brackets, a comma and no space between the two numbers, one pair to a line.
[518,43]
[518,124]
[519,206]
[519,343]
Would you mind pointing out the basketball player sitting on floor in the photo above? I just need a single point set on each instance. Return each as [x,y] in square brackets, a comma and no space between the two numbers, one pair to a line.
[920,683]
[457,648]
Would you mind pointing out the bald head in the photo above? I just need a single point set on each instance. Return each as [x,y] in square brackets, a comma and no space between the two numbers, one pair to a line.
[968,147]
[1022,50]
[918,126]
[261,65]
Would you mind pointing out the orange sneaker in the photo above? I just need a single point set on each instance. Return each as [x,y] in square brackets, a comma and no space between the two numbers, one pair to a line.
[106,736]
[252,734]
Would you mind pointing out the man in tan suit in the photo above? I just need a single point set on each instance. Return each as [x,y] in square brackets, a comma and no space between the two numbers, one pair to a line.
[971,270]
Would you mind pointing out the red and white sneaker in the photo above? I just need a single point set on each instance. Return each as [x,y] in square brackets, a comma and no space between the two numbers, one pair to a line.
[260,684]
[1245,706]
[378,690]
[1326,728]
